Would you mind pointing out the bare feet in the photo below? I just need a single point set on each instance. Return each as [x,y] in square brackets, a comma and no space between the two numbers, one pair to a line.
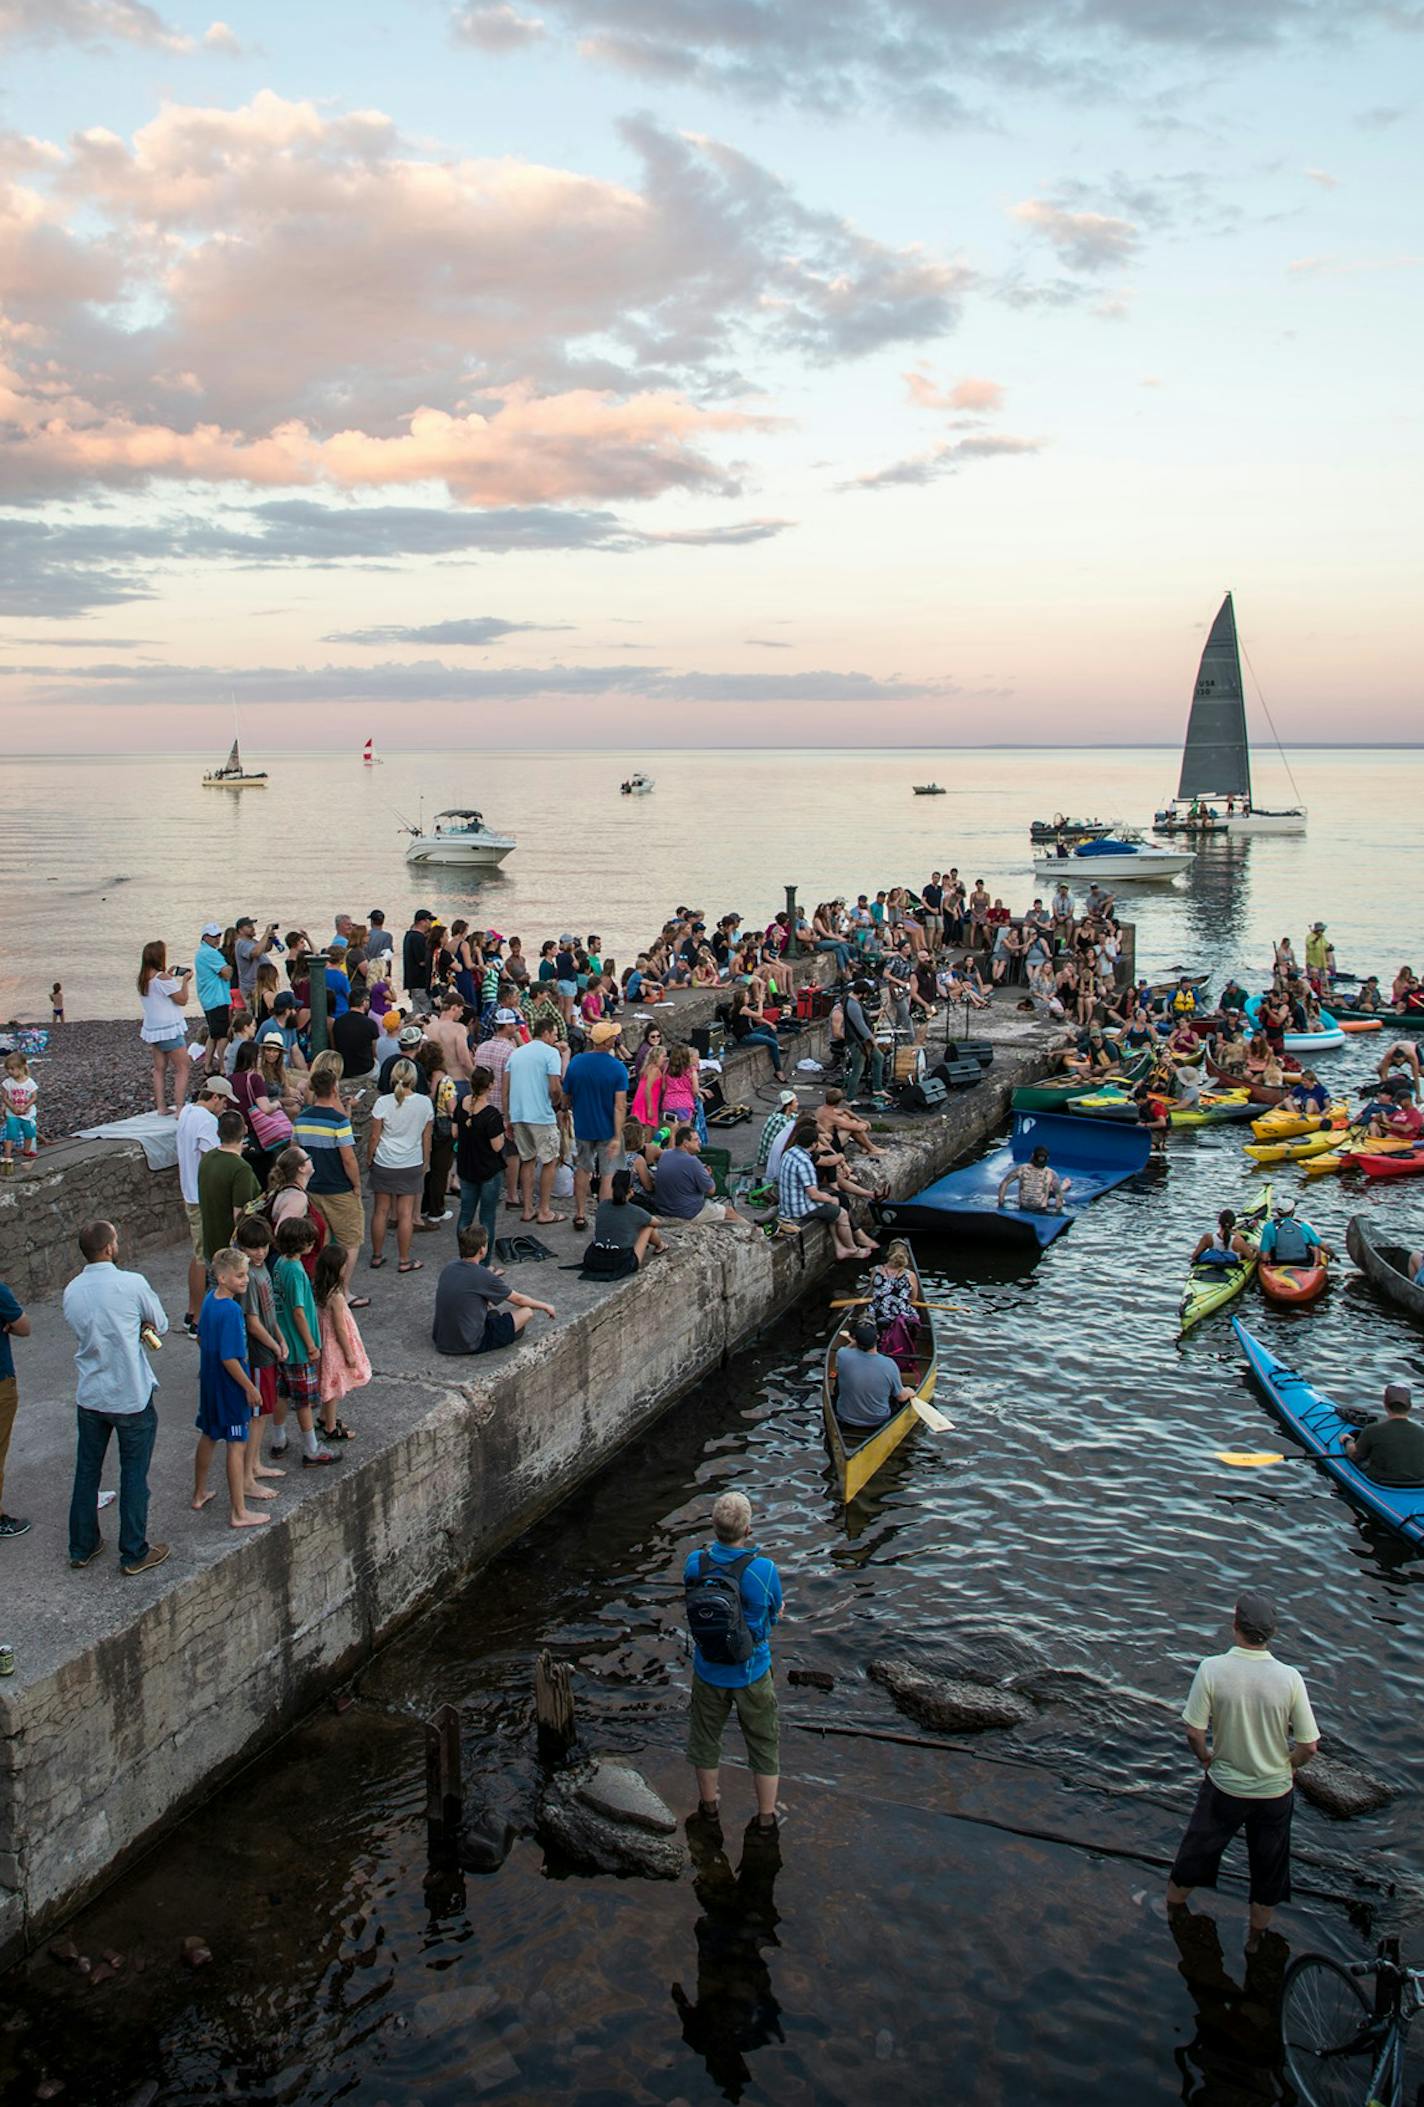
[201,1499]
[246,1521]
[259,1471]
[259,1492]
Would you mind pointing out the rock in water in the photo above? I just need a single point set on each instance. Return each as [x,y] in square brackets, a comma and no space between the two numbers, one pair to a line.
[1342,1788]
[486,1839]
[622,1828]
[811,1679]
[949,1707]
[612,1789]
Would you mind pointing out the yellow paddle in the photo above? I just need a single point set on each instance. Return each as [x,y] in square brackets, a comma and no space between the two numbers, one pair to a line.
[1250,1460]
[860,1302]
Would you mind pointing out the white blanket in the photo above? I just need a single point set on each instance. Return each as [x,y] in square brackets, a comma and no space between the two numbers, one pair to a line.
[156,1130]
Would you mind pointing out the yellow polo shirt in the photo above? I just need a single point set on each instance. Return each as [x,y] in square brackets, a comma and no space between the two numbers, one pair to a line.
[1254,1707]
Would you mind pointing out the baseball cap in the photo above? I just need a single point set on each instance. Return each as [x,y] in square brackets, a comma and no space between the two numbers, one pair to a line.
[566,939]
[218,1086]
[602,1033]
[410,1035]
[1397,1394]
[244,921]
[1285,1206]
[212,929]
[493,936]
[787,1097]
[285,1001]
[506,1016]
[1256,1613]
[865,1334]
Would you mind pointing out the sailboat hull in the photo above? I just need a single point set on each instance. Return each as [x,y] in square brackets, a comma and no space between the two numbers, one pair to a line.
[1268,822]
[234,782]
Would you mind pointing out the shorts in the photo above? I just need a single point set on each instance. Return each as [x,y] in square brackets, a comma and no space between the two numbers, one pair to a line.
[499,1331]
[567,988]
[1215,1820]
[178,1043]
[219,1022]
[195,1226]
[300,1381]
[596,1157]
[212,1421]
[25,1131]
[536,1144]
[343,1215]
[266,1381]
[757,1712]
[823,1211]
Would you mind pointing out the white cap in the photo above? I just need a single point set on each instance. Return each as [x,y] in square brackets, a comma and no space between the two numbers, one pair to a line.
[212,929]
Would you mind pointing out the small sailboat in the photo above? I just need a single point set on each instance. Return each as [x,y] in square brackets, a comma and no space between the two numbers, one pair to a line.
[1214,788]
[233,776]
[369,756]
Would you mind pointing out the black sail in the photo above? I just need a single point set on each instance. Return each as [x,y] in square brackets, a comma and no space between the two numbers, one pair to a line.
[1216,760]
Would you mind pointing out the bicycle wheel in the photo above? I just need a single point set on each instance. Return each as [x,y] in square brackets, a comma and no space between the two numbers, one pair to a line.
[1327,2032]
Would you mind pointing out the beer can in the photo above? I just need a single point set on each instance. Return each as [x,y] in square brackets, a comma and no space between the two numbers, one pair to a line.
[7,1660]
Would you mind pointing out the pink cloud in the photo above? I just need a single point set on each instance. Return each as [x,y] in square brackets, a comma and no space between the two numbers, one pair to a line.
[971,393]
[1086,241]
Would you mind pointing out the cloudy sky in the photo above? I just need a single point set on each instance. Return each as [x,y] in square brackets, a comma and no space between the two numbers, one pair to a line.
[681,372]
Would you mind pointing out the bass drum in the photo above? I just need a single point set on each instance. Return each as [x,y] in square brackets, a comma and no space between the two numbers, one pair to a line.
[909,1064]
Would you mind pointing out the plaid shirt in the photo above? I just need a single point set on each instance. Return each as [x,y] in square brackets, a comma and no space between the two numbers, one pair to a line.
[769,1132]
[795,1182]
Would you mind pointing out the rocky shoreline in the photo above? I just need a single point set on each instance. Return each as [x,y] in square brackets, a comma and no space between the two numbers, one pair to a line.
[92,1070]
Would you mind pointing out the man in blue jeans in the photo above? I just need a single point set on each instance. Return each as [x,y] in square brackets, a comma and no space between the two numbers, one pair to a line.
[109,1312]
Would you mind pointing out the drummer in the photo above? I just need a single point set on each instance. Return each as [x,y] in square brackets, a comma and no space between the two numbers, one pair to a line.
[1041,1189]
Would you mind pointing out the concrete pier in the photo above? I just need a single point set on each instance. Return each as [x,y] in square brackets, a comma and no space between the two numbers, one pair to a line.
[133,1698]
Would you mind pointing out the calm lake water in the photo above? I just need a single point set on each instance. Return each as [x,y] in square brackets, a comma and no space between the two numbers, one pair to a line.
[97,855]
[977,1927]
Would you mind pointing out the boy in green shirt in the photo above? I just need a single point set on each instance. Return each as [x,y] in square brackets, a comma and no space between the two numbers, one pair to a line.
[299,1376]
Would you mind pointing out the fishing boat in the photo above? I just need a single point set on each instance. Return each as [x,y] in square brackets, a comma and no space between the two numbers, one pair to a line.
[1096,1154]
[1211,1285]
[928,789]
[1215,779]
[856,1466]
[233,776]
[370,758]
[1385,1266]
[1321,1429]
[459,836]
[637,785]
[1060,829]
[1112,856]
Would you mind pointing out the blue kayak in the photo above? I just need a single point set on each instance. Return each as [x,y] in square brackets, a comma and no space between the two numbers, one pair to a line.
[1095,1154]
[1312,1418]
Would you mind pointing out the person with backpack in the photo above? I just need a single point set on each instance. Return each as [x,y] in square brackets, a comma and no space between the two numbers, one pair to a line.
[733,1596]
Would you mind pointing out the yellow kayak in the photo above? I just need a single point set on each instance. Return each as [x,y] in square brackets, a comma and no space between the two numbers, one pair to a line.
[1212,1109]
[1341,1145]
[1279,1124]
[1298,1150]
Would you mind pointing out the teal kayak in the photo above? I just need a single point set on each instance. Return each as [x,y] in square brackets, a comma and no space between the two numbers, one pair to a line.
[1309,1415]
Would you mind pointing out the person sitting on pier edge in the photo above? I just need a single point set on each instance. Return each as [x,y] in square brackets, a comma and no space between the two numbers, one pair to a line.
[866,1385]
[1288,1242]
[683,1188]
[800,1198]
[466,1294]
[1391,1450]
[1224,1244]
[1041,1189]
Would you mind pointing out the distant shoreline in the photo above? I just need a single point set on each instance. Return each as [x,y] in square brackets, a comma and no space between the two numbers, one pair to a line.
[880,746]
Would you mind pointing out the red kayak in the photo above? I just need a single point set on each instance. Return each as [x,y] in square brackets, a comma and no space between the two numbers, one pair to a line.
[1401,1166]
[1292,1283]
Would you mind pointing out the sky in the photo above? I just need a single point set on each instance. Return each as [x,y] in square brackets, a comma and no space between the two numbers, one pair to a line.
[647,373]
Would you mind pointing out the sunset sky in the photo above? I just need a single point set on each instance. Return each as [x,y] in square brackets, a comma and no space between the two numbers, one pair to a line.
[688,372]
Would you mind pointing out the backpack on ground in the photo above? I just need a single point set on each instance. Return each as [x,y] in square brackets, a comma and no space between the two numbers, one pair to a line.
[716,1615]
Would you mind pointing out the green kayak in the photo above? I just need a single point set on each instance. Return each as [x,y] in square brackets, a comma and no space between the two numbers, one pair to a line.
[1056,1093]
[1210,1287]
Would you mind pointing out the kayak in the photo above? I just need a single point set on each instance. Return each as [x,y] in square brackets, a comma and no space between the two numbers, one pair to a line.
[1210,1287]
[1407,1164]
[1214,1108]
[1385,1266]
[1311,1417]
[1107,1103]
[1360,1024]
[1293,1283]
[1193,1059]
[1351,1142]
[1282,1124]
[1299,1150]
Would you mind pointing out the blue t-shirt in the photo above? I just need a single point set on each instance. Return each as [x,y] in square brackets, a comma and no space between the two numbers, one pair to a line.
[761,1606]
[1283,1240]
[592,1081]
[222,1336]
[529,1071]
[9,1311]
[338,991]
[209,978]
[633,988]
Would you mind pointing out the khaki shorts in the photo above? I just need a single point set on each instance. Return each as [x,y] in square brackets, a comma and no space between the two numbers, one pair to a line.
[757,1711]
[596,1157]
[536,1144]
[344,1215]
[195,1226]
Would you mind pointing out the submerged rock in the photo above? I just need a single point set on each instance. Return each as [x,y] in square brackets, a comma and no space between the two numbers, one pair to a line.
[609,1818]
[1342,1787]
[811,1679]
[949,1707]
[486,1839]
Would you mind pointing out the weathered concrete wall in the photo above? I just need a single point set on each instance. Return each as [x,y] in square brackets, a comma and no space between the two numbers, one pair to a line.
[136,1697]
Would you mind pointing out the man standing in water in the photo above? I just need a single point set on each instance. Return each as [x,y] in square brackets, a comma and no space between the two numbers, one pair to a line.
[733,1599]
[1250,1727]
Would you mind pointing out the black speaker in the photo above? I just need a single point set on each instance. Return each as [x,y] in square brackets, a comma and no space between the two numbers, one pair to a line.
[925,1096]
[957,1075]
[980,1050]
[708,1039]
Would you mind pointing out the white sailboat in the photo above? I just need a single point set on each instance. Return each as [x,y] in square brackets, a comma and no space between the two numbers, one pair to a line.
[637,785]
[233,776]
[1214,788]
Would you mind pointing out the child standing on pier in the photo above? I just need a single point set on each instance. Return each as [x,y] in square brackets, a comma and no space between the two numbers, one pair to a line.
[227,1395]
[18,1094]
[345,1364]
[299,1376]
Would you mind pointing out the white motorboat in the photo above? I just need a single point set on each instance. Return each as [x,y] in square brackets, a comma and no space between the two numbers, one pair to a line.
[1112,857]
[1214,789]
[458,836]
[637,785]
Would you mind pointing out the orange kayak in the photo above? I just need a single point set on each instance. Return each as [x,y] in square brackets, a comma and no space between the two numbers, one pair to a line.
[1292,1283]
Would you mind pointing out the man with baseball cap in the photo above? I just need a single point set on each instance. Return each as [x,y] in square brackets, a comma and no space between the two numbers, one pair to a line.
[778,1122]
[196,1133]
[596,1091]
[409,1040]
[1250,1727]
[1390,1450]
[212,979]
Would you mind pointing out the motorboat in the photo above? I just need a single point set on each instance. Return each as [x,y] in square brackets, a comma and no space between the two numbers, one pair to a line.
[459,836]
[637,785]
[1215,782]
[929,790]
[1113,856]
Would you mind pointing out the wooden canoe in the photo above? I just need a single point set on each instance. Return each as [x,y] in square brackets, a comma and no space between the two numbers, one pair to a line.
[855,1467]
[1261,1093]
[1385,1266]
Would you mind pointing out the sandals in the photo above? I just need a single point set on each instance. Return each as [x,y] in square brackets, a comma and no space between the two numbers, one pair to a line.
[580,1221]
[340,1432]
[410,1265]
[359,1302]
[375,1263]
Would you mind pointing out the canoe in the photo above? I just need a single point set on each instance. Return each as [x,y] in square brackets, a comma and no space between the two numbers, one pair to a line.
[1261,1093]
[1296,1284]
[1385,1266]
[1209,1288]
[1311,1417]
[1214,1108]
[1282,1125]
[1409,1163]
[1056,1093]
[1403,1018]
[1186,1060]
[855,1467]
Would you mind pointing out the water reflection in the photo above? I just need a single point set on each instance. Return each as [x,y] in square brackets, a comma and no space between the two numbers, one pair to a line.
[1234,2057]
[735,2010]
[1216,911]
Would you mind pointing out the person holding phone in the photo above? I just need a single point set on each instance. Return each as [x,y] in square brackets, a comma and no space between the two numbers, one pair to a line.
[164,996]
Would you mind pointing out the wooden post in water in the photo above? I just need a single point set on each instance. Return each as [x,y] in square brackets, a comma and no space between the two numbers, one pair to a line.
[554,1706]
[444,1795]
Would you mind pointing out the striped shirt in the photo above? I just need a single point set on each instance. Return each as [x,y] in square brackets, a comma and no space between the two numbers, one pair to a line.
[323,1131]
[795,1182]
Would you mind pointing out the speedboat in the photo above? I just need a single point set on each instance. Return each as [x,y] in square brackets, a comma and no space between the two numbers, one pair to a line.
[637,785]
[459,835]
[1114,856]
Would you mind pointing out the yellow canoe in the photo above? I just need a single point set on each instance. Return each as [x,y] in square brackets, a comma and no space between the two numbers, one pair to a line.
[855,1467]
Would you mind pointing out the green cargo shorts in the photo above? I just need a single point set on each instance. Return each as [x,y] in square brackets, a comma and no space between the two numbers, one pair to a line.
[756,1709]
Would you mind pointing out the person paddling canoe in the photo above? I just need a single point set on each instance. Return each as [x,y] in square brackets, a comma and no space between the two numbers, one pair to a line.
[1288,1241]
[1223,1245]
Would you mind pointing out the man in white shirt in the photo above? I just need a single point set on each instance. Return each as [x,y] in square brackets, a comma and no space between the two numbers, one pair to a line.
[1250,1727]
[110,1312]
[197,1132]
